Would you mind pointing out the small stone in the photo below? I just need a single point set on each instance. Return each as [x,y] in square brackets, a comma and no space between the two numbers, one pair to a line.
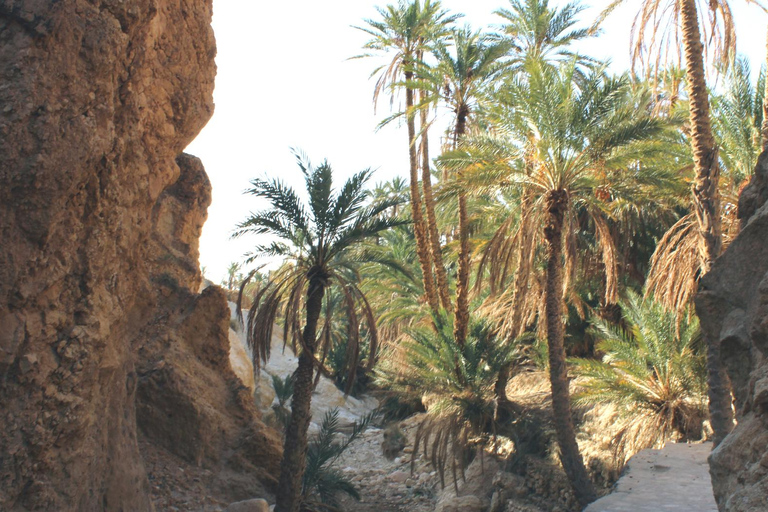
[399,476]
[27,362]
[255,505]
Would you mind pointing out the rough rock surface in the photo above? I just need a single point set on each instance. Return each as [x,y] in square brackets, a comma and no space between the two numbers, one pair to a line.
[733,307]
[99,218]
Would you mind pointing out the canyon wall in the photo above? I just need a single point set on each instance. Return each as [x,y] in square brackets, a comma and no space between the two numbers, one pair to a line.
[104,341]
[733,307]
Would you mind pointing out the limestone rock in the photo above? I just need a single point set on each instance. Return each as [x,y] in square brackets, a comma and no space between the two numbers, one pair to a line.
[733,307]
[461,504]
[256,505]
[394,441]
[240,362]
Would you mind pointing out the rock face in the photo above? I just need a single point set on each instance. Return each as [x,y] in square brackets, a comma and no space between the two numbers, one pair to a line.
[100,329]
[733,308]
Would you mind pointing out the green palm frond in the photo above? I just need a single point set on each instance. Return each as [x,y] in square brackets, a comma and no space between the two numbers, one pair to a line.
[652,370]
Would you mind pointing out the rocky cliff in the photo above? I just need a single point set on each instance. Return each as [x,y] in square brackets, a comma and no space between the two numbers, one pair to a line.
[104,344]
[733,307]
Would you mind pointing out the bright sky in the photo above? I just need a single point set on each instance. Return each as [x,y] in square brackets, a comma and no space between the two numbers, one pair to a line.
[284,80]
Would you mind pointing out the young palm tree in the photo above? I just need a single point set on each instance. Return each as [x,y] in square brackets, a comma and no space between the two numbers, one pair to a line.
[582,146]
[406,31]
[456,384]
[653,371]
[315,240]
[466,72]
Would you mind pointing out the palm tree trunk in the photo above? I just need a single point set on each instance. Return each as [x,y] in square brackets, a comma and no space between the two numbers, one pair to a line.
[419,228]
[706,201]
[706,195]
[461,319]
[429,207]
[570,457]
[295,449]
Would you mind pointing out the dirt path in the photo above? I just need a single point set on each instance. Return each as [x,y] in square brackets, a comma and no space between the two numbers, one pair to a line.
[674,479]
[387,485]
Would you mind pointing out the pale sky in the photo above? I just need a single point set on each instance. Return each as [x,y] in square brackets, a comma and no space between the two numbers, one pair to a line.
[284,80]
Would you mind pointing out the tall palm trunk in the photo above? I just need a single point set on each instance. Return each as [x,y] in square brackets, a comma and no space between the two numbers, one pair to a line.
[419,228]
[557,202]
[461,319]
[706,201]
[429,207]
[295,448]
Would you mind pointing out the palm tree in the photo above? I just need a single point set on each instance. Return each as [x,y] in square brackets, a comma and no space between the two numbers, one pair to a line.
[315,240]
[438,34]
[737,116]
[653,370]
[653,31]
[540,34]
[232,276]
[405,30]
[580,148]
[466,73]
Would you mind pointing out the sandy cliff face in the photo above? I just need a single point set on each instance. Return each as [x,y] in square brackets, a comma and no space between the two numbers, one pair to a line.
[99,217]
[733,308]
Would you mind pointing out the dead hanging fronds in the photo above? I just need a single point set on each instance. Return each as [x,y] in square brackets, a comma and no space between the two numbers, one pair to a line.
[511,253]
[657,36]
[675,265]
[448,442]
[610,259]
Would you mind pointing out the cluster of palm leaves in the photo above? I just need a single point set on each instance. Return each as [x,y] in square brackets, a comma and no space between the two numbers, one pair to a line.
[557,188]
[652,371]
[456,384]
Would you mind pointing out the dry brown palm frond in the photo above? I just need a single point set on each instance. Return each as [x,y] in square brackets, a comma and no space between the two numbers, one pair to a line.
[610,259]
[675,265]
[656,36]
[450,447]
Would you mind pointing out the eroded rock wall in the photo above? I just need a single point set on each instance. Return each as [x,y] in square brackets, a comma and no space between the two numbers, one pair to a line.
[733,307]
[98,228]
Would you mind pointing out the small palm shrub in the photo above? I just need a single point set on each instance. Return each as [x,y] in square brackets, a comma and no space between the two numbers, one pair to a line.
[283,392]
[323,483]
[653,372]
[456,385]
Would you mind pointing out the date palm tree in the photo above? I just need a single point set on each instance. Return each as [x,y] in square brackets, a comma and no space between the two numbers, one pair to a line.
[579,147]
[543,34]
[466,72]
[406,31]
[654,37]
[315,240]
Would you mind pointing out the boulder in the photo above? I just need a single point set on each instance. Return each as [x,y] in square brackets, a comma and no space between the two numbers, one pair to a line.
[462,504]
[255,505]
